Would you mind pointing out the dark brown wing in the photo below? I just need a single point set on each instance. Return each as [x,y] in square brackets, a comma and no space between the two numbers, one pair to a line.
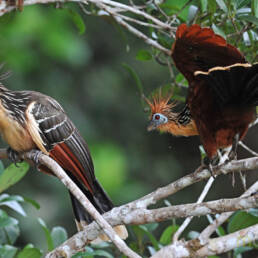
[61,139]
[199,49]
[235,85]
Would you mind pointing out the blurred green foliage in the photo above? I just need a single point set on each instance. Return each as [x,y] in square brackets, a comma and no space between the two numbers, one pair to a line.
[98,72]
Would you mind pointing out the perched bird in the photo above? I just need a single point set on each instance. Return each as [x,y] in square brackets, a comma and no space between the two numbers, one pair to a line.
[30,120]
[222,93]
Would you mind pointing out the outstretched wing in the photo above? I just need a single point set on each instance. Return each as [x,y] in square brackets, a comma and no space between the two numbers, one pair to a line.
[199,49]
[55,134]
[235,85]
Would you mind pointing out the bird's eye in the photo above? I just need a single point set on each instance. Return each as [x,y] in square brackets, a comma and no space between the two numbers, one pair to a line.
[157,117]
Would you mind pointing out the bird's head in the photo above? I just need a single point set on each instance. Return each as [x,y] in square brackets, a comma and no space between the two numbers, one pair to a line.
[162,114]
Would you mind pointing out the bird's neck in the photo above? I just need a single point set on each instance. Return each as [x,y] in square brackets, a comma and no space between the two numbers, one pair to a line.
[14,103]
[178,129]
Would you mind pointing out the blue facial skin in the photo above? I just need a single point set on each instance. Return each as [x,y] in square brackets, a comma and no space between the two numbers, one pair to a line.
[157,119]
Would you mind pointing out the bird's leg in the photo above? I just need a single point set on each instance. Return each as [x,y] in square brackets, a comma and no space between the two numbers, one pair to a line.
[34,156]
[14,156]
[232,154]
[209,163]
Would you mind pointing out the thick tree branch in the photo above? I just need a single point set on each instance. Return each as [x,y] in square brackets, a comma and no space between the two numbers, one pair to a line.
[60,173]
[199,175]
[182,249]
[114,217]
[229,242]
[136,212]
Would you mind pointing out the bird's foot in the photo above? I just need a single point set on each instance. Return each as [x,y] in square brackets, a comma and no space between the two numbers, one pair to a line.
[210,164]
[34,156]
[14,156]
[233,152]
[232,156]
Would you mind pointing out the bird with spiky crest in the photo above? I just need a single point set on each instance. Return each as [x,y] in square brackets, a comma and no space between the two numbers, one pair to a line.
[222,92]
[165,119]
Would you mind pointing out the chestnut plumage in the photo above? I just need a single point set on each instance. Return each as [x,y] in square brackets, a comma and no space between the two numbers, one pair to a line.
[222,93]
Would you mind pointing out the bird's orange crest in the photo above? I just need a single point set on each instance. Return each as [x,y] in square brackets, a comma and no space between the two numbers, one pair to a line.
[160,104]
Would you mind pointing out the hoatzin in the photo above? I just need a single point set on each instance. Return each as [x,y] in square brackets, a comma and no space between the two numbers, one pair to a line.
[222,93]
[31,120]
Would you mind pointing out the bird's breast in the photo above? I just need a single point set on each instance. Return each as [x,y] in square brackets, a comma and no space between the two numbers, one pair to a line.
[14,133]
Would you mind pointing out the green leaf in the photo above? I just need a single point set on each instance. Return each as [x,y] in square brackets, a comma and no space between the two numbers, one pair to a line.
[89,252]
[242,3]
[192,12]
[222,5]
[212,7]
[7,251]
[218,30]
[9,234]
[136,78]
[1,167]
[221,231]
[29,251]
[143,55]
[202,152]
[32,202]
[167,234]
[77,20]
[241,220]
[249,18]
[151,226]
[102,253]
[12,202]
[241,249]
[179,7]
[12,175]
[253,211]
[5,220]
[204,5]
[151,236]
[255,8]
[58,235]
[48,237]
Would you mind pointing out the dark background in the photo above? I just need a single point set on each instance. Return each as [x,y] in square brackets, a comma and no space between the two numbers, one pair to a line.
[46,53]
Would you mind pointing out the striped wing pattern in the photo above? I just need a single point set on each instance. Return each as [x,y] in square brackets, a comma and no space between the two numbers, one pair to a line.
[184,117]
[62,140]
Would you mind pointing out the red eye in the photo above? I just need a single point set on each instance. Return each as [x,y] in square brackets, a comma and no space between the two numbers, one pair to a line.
[157,117]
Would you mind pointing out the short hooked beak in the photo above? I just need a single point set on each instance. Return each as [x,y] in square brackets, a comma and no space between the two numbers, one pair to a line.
[152,126]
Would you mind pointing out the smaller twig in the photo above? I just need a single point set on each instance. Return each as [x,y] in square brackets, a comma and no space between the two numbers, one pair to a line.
[133,30]
[132,10]
[158,59]
[161,11]
[208,231]
[130,19]
[255,122]
[188,220]
[84,10]
[248,149]
[202,196]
